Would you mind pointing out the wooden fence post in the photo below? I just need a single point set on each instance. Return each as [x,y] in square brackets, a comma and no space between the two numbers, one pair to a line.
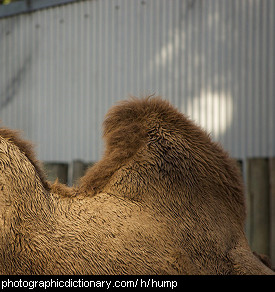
[78,169]
[272,210]
[258,205]
[240,165]
[57,170]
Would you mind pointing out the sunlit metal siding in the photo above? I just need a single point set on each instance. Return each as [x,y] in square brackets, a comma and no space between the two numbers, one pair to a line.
[62,68]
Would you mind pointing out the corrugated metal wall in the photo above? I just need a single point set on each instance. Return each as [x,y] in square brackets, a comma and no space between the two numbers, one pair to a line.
[62,68]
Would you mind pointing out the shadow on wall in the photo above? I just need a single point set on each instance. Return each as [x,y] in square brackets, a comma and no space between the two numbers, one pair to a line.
[19,66]
[215,49]
[11,88]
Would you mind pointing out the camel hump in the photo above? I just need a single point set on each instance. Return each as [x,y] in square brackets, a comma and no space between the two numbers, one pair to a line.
[132,122]
[126,130]
[149,125]
[27,148]
[149,144]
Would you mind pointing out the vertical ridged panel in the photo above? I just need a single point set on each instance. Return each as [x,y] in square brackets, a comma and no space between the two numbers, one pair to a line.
[62,68]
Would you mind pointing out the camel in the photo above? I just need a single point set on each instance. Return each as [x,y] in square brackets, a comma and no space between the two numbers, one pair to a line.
[163,199]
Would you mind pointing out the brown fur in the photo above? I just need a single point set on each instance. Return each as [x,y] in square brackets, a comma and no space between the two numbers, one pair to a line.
[27,148]
[164,199]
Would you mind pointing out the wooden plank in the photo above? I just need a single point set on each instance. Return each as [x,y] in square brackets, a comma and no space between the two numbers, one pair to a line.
[248,197]
[240,165]
[56,170]
[259,208]
[78,169]
[272,210]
